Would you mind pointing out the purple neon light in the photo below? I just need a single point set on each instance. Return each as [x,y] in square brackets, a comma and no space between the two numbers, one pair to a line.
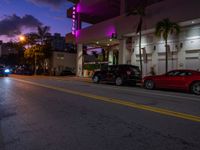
[78,8]
[74,21]
[77,33]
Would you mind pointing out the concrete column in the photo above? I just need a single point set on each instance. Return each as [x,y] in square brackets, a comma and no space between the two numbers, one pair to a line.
[155,60]
[181,59]
[133,58]
[79,65]
[122,52]
[110,57]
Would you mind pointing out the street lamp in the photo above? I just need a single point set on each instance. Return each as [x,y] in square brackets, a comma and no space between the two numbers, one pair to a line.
[22,38]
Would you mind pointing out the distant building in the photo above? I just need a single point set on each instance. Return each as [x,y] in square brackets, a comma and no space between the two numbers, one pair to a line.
[58,42]
[62,60]
[6,49]
[1,48]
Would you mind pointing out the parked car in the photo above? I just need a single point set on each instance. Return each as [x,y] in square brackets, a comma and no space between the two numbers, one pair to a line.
[67,71]
[118,74]
[4,71]
[22,70]
[187,80]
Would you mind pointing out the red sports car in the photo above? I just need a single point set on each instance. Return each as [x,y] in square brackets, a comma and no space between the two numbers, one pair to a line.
[187,80]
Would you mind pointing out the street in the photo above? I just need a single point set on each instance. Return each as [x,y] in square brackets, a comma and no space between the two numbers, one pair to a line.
[53,113]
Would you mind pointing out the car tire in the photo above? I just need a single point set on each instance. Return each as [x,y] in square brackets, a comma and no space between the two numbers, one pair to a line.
[195,88]
[96,79]
[118,81]
[149,84]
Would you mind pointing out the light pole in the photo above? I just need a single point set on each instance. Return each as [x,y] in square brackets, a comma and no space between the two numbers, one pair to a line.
[35,63]
[37,54]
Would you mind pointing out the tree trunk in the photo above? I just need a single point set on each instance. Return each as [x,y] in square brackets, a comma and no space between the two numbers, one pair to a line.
[166,57]
[140,53]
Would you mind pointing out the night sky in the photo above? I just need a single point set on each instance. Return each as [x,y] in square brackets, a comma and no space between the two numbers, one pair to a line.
[22,16]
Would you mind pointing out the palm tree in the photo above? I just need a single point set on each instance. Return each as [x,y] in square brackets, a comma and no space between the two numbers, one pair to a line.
[43,46]
[42,34]
[164,28]
[139,10]
[31,39]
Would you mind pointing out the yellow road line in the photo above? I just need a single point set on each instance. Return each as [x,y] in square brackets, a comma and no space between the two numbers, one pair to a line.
[120,102]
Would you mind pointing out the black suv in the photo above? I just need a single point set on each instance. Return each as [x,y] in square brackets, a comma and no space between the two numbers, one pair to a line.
[118,74]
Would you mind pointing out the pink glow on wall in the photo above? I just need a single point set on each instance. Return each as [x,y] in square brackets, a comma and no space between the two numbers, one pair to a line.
[110,31]
[77,34]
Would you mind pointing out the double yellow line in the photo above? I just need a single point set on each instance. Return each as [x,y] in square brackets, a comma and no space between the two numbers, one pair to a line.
[120,102]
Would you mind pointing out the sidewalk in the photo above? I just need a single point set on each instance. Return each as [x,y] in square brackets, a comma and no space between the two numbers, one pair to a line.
[76,78]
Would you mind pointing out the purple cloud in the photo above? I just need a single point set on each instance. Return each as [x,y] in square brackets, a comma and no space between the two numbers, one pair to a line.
[52,3]
[13,25]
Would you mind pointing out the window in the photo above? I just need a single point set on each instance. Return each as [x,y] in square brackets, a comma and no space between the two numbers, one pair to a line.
[172,73]
[185,73]
[60,56]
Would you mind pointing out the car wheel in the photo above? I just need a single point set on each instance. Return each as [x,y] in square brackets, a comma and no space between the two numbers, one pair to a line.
[118,81]
[195,88]
[96,79]
[149,84]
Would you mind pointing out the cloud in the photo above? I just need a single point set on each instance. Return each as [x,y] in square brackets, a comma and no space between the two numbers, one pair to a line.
[13,25]
[53,3]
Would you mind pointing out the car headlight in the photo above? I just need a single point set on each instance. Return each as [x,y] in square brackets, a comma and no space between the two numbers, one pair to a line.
[7,71]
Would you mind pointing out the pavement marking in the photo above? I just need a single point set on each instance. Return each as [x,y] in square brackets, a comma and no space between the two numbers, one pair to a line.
[120,102]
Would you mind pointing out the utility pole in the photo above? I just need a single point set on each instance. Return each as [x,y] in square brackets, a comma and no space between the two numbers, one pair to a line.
[37,54]
[35,64]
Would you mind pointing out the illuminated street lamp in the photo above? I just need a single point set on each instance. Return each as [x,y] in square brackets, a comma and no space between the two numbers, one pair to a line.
[22,38]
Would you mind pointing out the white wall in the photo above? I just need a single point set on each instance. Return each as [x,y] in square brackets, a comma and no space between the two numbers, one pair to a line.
[184,51]
[60,60]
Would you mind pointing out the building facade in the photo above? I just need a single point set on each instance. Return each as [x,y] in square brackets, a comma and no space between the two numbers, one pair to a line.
[61,61]
[58,42]
[114,28]
[6,49]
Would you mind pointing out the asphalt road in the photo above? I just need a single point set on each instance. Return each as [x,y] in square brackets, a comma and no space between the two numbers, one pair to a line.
[46,113]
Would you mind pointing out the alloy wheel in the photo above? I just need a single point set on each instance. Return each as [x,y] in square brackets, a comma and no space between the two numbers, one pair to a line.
[118,81]
[196,88]
[96,79]
[149,84]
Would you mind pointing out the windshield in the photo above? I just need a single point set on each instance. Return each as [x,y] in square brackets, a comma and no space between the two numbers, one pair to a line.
[135,69]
